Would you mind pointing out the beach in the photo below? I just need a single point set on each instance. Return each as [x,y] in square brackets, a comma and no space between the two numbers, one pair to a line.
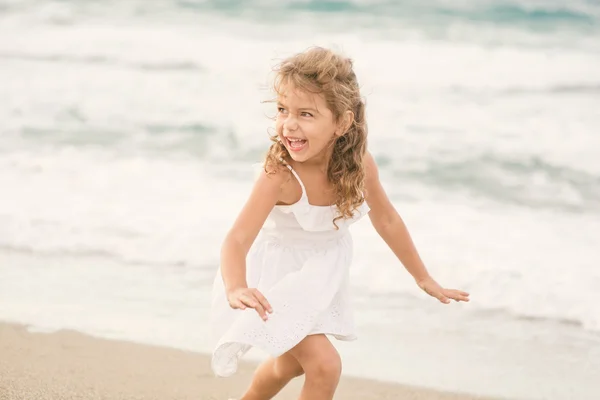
[70,365]
[129,131]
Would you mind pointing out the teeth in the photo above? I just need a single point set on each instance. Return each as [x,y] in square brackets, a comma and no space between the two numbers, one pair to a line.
[296,143]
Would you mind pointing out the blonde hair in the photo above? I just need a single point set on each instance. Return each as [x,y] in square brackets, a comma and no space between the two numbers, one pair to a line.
[321,71]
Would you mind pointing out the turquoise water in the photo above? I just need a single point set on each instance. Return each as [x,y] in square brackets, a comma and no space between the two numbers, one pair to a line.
[128,128]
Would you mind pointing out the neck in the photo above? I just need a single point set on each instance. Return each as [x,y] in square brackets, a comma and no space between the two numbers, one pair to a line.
[321,160]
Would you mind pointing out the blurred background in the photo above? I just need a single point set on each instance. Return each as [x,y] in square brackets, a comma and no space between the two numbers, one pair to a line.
[128,129]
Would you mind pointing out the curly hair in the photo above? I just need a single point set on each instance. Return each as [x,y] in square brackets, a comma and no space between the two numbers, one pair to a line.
[323,72]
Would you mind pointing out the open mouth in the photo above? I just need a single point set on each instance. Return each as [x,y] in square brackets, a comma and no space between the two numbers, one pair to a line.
[296,144]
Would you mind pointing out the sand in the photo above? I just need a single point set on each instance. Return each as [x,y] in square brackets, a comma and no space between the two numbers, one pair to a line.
[70,365]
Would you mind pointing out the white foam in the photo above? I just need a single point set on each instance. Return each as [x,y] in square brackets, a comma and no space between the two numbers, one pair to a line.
[169,212]
[86,176]
[109,227]
[527,264]
[132,208]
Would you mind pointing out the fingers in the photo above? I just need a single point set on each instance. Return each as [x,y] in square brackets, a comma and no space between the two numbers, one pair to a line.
[443,299]
[252,298]
[263,301]
[446,295]
[457,295]
[237,304]
[252,302]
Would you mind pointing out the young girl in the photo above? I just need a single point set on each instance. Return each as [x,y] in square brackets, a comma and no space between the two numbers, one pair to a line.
[283,280]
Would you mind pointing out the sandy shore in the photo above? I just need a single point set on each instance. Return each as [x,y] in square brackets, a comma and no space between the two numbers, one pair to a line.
[70,365]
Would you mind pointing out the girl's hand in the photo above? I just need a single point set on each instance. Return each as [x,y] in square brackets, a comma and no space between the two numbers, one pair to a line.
[433,289]
[241,298]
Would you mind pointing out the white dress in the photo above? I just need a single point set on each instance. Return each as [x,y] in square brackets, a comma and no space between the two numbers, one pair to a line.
[300,263]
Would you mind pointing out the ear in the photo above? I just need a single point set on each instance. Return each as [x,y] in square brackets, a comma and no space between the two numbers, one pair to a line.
[345,123]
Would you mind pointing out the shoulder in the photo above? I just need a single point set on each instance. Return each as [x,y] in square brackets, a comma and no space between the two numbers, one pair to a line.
[376,197]
[370,166]
[373,188]
[272,176]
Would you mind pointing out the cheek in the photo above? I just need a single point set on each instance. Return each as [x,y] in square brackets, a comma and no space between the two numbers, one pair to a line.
[321,133]
[279,126]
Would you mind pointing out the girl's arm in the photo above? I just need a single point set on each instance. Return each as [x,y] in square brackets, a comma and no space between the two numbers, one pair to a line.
[390,226]
[239,239]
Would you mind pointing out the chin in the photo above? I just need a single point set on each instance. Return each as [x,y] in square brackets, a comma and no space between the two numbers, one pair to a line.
[307,155]
[298,157]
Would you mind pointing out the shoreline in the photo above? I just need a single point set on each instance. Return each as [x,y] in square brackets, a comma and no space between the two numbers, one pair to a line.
[68,364]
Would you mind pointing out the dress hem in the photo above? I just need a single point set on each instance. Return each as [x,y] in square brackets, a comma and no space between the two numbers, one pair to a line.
[233,365]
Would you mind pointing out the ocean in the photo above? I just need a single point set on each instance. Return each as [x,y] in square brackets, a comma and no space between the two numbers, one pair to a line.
[128,130]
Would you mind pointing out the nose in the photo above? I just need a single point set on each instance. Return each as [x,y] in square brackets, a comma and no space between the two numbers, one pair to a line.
[291,123]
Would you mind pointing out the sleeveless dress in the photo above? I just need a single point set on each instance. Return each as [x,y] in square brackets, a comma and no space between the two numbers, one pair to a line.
[300,263]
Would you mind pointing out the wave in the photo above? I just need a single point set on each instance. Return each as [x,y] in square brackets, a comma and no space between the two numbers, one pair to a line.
[476,10]
[103,61]
[86,205]
[548,15]
[557,89]
[522,180]
[529,181]
[567,89]
[517,13]
[75,130]
[98,254]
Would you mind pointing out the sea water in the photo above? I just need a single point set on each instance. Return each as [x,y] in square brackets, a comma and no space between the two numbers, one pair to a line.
[127,131]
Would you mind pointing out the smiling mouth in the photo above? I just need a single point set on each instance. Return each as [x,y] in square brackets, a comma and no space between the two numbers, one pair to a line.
[296,144]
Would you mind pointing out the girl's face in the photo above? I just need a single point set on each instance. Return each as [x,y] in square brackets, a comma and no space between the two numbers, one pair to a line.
[305,125]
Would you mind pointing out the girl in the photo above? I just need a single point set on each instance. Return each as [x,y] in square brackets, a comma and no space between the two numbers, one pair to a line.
[288,254]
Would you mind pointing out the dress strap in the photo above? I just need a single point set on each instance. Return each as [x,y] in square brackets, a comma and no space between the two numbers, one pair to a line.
[298,178]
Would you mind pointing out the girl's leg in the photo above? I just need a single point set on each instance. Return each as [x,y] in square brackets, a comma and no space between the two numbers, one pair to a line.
[321,364]
[271,376]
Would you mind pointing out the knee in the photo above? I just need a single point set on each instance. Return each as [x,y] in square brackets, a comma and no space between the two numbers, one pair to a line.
[293,372]
[327,367]
[288,370]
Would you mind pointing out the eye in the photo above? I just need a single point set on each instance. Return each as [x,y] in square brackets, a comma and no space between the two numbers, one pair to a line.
[281,110]
[306,114]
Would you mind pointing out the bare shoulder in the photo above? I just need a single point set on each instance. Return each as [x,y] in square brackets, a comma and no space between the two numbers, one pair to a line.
[274,176]
[371,170]
[375,195]
[276,183]
[264,196]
